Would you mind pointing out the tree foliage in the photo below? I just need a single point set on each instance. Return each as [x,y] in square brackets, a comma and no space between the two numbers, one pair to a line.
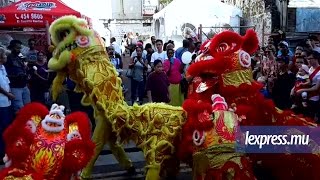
[165,2]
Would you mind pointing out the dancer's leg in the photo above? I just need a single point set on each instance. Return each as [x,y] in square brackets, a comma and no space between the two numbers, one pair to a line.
[102,133]
[99,138]
[117,150]
[153,172]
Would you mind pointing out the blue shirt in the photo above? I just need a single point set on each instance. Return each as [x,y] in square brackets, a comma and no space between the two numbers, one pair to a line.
[4,84]
[116,62]
[32,56]
[179,52]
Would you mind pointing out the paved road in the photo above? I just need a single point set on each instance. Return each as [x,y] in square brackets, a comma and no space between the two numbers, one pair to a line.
[107,167]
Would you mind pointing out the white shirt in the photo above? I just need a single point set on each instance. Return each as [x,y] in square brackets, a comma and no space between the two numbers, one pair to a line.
[317,49]
[116,47]
[4,84]
[144,54]
[314,81]
[161,56]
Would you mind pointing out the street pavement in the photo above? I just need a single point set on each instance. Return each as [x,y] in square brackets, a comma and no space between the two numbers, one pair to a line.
[107,167]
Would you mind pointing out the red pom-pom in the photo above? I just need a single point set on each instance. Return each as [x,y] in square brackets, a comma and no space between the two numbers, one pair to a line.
[250,41]
[18,144]
[77,155]
[83,124]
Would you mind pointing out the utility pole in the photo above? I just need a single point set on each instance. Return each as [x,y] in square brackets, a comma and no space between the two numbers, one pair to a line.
[284,14]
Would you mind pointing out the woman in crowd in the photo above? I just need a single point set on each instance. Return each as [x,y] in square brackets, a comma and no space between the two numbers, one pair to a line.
[138,65]
[39,84]
[149,51]
[157,84]
[269,68]
[172,67]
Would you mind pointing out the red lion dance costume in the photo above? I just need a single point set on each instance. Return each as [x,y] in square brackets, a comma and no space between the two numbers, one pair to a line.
[224,68]
[42,144]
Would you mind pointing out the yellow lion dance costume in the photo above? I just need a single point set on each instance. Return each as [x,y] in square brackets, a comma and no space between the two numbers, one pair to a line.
[79,54]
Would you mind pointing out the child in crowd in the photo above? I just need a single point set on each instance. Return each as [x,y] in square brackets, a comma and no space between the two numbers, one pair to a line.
[302,82]
[157,84]
[264,90]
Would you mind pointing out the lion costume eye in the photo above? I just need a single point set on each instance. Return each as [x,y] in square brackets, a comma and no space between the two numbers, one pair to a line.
[63,33]
[223,47]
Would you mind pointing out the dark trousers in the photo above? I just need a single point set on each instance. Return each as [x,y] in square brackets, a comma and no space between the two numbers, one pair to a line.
[6,116]
[312,110]
[137,87]
[75,105]
[37,95]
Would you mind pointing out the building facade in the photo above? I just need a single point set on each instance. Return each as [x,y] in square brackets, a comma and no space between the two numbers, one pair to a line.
[262,14]
[132,16]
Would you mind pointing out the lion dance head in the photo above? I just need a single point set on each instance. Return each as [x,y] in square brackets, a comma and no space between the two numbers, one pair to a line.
[73,41]
[227,56]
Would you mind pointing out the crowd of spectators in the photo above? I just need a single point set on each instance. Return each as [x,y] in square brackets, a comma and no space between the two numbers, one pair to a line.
[291,78]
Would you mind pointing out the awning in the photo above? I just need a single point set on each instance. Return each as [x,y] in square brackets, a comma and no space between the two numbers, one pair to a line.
[35,13]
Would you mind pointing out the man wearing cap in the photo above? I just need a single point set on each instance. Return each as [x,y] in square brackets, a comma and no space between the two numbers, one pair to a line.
[17,73]
[284,49]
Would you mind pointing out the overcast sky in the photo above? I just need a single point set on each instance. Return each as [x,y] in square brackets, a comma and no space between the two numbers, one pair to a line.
[100,9]
[95,9]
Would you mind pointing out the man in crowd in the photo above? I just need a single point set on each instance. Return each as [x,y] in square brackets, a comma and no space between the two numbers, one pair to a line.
[115,45]
[32,54]
[313,92]
[159,54]
[153,43]
[181,50]
[17,73]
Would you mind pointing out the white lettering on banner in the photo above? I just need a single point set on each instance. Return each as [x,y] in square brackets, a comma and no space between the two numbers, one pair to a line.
[29,21]
[38,5]
[36,16]
[27,16]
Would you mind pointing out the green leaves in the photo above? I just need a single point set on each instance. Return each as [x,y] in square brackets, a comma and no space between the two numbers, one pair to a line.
[165,2]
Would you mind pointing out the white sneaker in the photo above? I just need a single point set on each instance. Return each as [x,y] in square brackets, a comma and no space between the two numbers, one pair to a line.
[293,106]
[304,104]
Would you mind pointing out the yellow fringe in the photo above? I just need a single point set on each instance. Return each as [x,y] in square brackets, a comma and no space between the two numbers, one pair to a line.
[57,86]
